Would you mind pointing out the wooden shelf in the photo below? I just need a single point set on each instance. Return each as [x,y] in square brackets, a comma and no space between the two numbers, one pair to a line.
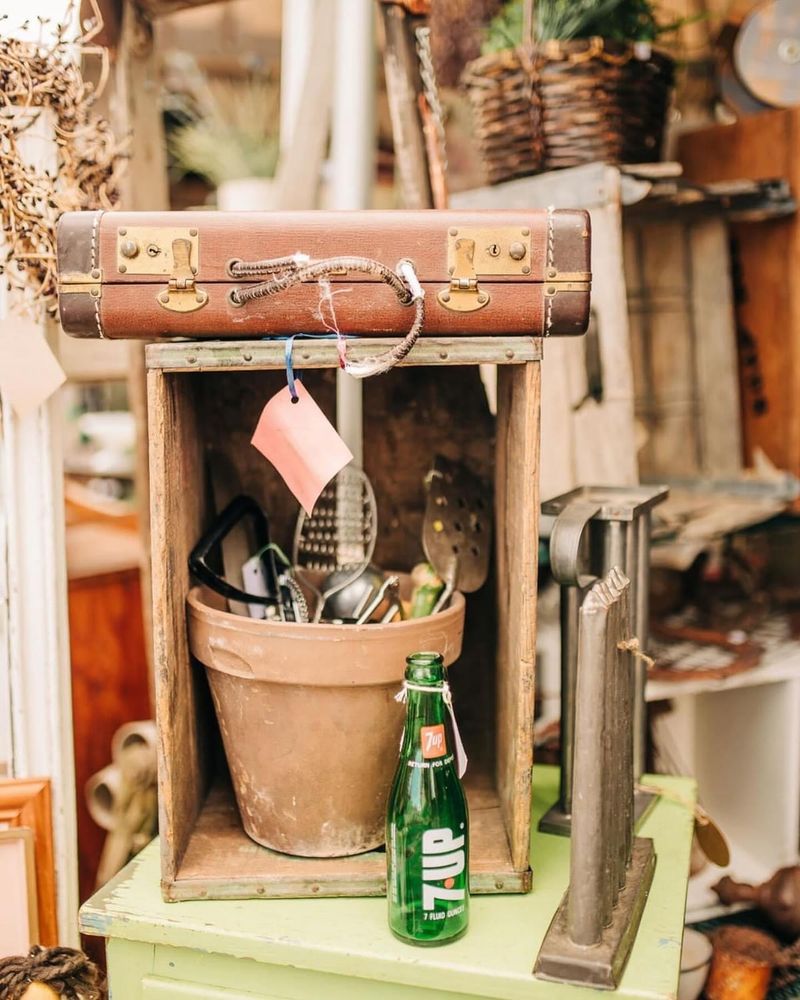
[223,355]
[781,662]
[223,860]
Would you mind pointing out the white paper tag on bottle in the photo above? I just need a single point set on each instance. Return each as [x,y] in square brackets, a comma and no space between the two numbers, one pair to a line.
[255,582]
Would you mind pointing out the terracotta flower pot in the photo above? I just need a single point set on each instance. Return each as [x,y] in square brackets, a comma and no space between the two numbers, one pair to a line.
[308,718]
[741,965]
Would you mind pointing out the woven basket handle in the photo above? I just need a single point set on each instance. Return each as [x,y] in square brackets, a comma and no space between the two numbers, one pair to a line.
[527,24]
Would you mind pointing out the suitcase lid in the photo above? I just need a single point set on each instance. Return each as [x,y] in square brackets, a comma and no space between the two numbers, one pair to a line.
[147,247]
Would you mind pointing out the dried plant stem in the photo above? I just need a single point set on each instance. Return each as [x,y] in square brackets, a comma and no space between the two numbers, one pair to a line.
[37,79]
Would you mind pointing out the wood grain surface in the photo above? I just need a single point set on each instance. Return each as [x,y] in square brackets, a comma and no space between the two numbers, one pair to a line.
[517,508]
[223,863]
[183,713]
[229,355]
[766,259]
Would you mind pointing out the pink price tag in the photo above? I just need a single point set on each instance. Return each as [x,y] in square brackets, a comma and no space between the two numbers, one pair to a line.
[301,443]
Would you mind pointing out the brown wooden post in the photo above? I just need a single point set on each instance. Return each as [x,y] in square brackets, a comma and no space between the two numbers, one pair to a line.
[137,112]
[403,86]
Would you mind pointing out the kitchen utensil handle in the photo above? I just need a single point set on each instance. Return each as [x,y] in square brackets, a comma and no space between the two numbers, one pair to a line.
[390,583]
[238,508]
[444,597]
[393,610]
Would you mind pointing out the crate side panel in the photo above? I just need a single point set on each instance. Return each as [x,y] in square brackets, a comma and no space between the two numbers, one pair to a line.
[517,517]
[177,501]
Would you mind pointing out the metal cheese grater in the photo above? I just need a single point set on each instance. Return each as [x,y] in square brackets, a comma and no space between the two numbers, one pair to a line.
[338,536]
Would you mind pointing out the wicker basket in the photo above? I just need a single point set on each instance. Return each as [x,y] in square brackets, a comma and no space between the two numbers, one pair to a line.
[566,103]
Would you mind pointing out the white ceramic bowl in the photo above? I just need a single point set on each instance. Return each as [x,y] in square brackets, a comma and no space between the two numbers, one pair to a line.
[695,963]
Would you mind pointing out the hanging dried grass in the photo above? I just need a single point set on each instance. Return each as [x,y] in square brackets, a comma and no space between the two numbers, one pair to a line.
[45,78]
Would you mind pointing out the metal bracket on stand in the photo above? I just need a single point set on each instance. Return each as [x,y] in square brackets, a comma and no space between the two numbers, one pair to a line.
[597,528]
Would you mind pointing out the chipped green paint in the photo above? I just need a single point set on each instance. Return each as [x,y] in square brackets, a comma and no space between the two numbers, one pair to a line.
[342,948]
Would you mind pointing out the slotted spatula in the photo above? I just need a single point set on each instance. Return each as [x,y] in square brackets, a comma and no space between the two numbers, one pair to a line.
[457,531]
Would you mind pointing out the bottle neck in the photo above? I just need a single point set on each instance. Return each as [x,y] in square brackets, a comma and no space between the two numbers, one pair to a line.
[424,708]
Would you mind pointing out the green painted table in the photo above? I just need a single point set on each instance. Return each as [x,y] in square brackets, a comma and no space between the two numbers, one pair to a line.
[341,949]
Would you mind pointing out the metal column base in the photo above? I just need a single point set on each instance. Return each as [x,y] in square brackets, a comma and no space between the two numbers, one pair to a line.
[558,822]
[601,965]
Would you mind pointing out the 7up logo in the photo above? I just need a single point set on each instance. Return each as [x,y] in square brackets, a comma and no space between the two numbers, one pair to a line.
[443,860]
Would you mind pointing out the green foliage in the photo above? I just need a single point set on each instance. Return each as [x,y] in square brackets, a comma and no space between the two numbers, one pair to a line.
[623,20]
[235,136]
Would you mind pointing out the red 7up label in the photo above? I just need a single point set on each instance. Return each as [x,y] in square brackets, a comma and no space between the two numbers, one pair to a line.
[443,860]
[432,738]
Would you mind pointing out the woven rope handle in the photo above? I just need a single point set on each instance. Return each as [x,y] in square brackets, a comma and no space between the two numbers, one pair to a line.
[286,272]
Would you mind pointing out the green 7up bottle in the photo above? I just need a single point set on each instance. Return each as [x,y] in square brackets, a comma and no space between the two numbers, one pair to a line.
[427,826]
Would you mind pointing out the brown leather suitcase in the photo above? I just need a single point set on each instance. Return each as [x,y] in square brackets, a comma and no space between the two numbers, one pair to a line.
[240,275]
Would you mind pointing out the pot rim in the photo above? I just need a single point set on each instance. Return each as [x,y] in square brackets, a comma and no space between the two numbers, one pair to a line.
[314,630]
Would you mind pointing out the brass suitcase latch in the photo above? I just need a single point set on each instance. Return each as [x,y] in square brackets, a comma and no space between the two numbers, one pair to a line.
[171,252]
[181,294]
[78,281]
[478,252]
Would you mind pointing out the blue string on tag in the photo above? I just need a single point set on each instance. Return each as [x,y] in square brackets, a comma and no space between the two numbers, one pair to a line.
[287,353]
[291,378]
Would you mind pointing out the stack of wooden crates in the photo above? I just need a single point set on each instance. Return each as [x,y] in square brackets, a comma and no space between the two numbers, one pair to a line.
[208,395]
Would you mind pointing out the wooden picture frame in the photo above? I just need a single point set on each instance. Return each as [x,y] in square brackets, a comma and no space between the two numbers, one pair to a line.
[19,921]
[27,802]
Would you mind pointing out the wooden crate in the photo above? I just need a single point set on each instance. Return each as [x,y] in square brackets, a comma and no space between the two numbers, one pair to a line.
[204,395]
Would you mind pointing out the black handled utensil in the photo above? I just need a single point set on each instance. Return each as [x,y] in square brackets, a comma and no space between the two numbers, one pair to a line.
[282,592]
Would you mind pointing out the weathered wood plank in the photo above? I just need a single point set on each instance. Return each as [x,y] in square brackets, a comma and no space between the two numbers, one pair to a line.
[516,511]
[137,111]
[217,356]
[221,862]
[684,345]
[760,147]
[714,330]
[403,84]
[590,186]
[176,501]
